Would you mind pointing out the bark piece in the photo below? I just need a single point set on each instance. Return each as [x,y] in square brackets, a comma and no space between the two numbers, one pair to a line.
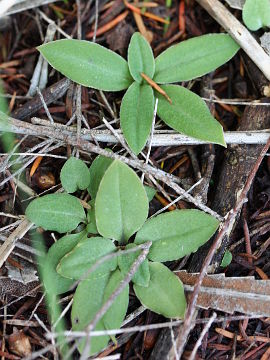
[13,288]
[50,95]
[241,294]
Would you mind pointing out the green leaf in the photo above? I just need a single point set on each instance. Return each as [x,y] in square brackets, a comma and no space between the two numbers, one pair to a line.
[189,115]
[227,259]
[97,170]
[74,175]
[194,57]
[121,203]
[56,212]
[91,219]
[54,255]
[86,253]
[116,313]
[176,234]
[3,103]
[87,301]
[88,64]
[150,192]
[256,14]
[136,115]
[140,58]
[125,261]
[165,293]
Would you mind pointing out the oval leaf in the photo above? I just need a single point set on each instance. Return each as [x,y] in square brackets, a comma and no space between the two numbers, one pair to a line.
[88,64]
[87,301]
[121,203]
[56,212]
[140,57]
[125,261]
[176,234]
[194,57]
[189,115]
[54,255]
[86,253]
[165,293]
[136,115]
[256,14]
[116,313]
[97,170]
[74,175]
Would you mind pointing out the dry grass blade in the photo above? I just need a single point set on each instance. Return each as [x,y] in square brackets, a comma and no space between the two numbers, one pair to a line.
[9,244]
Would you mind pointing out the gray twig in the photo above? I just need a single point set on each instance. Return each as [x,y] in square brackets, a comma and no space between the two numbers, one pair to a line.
[199,341]
[151,136]
[70,137]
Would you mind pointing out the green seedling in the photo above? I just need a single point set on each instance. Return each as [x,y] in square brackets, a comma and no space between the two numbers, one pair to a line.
[146,78]
[117,221]
[227,259]
[256,14]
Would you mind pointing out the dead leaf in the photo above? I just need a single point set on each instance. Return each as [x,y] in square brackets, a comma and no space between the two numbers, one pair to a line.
[19,343]
[241,294]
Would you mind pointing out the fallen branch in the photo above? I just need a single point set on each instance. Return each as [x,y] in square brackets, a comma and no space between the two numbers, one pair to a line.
[16,6]
[160,137]
[71,138]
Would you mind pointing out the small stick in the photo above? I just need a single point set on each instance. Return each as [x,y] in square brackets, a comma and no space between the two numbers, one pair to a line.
[121,140]
[239,33]
[199,341]
[50,21]
[45,106]
[5,5]
[142,328]
[247,240]
[141,26]
[151,137]
[103,29]
[156,87]
[160,137]
[146,14]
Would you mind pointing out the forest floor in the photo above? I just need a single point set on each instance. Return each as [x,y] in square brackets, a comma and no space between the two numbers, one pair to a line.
[232,321]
